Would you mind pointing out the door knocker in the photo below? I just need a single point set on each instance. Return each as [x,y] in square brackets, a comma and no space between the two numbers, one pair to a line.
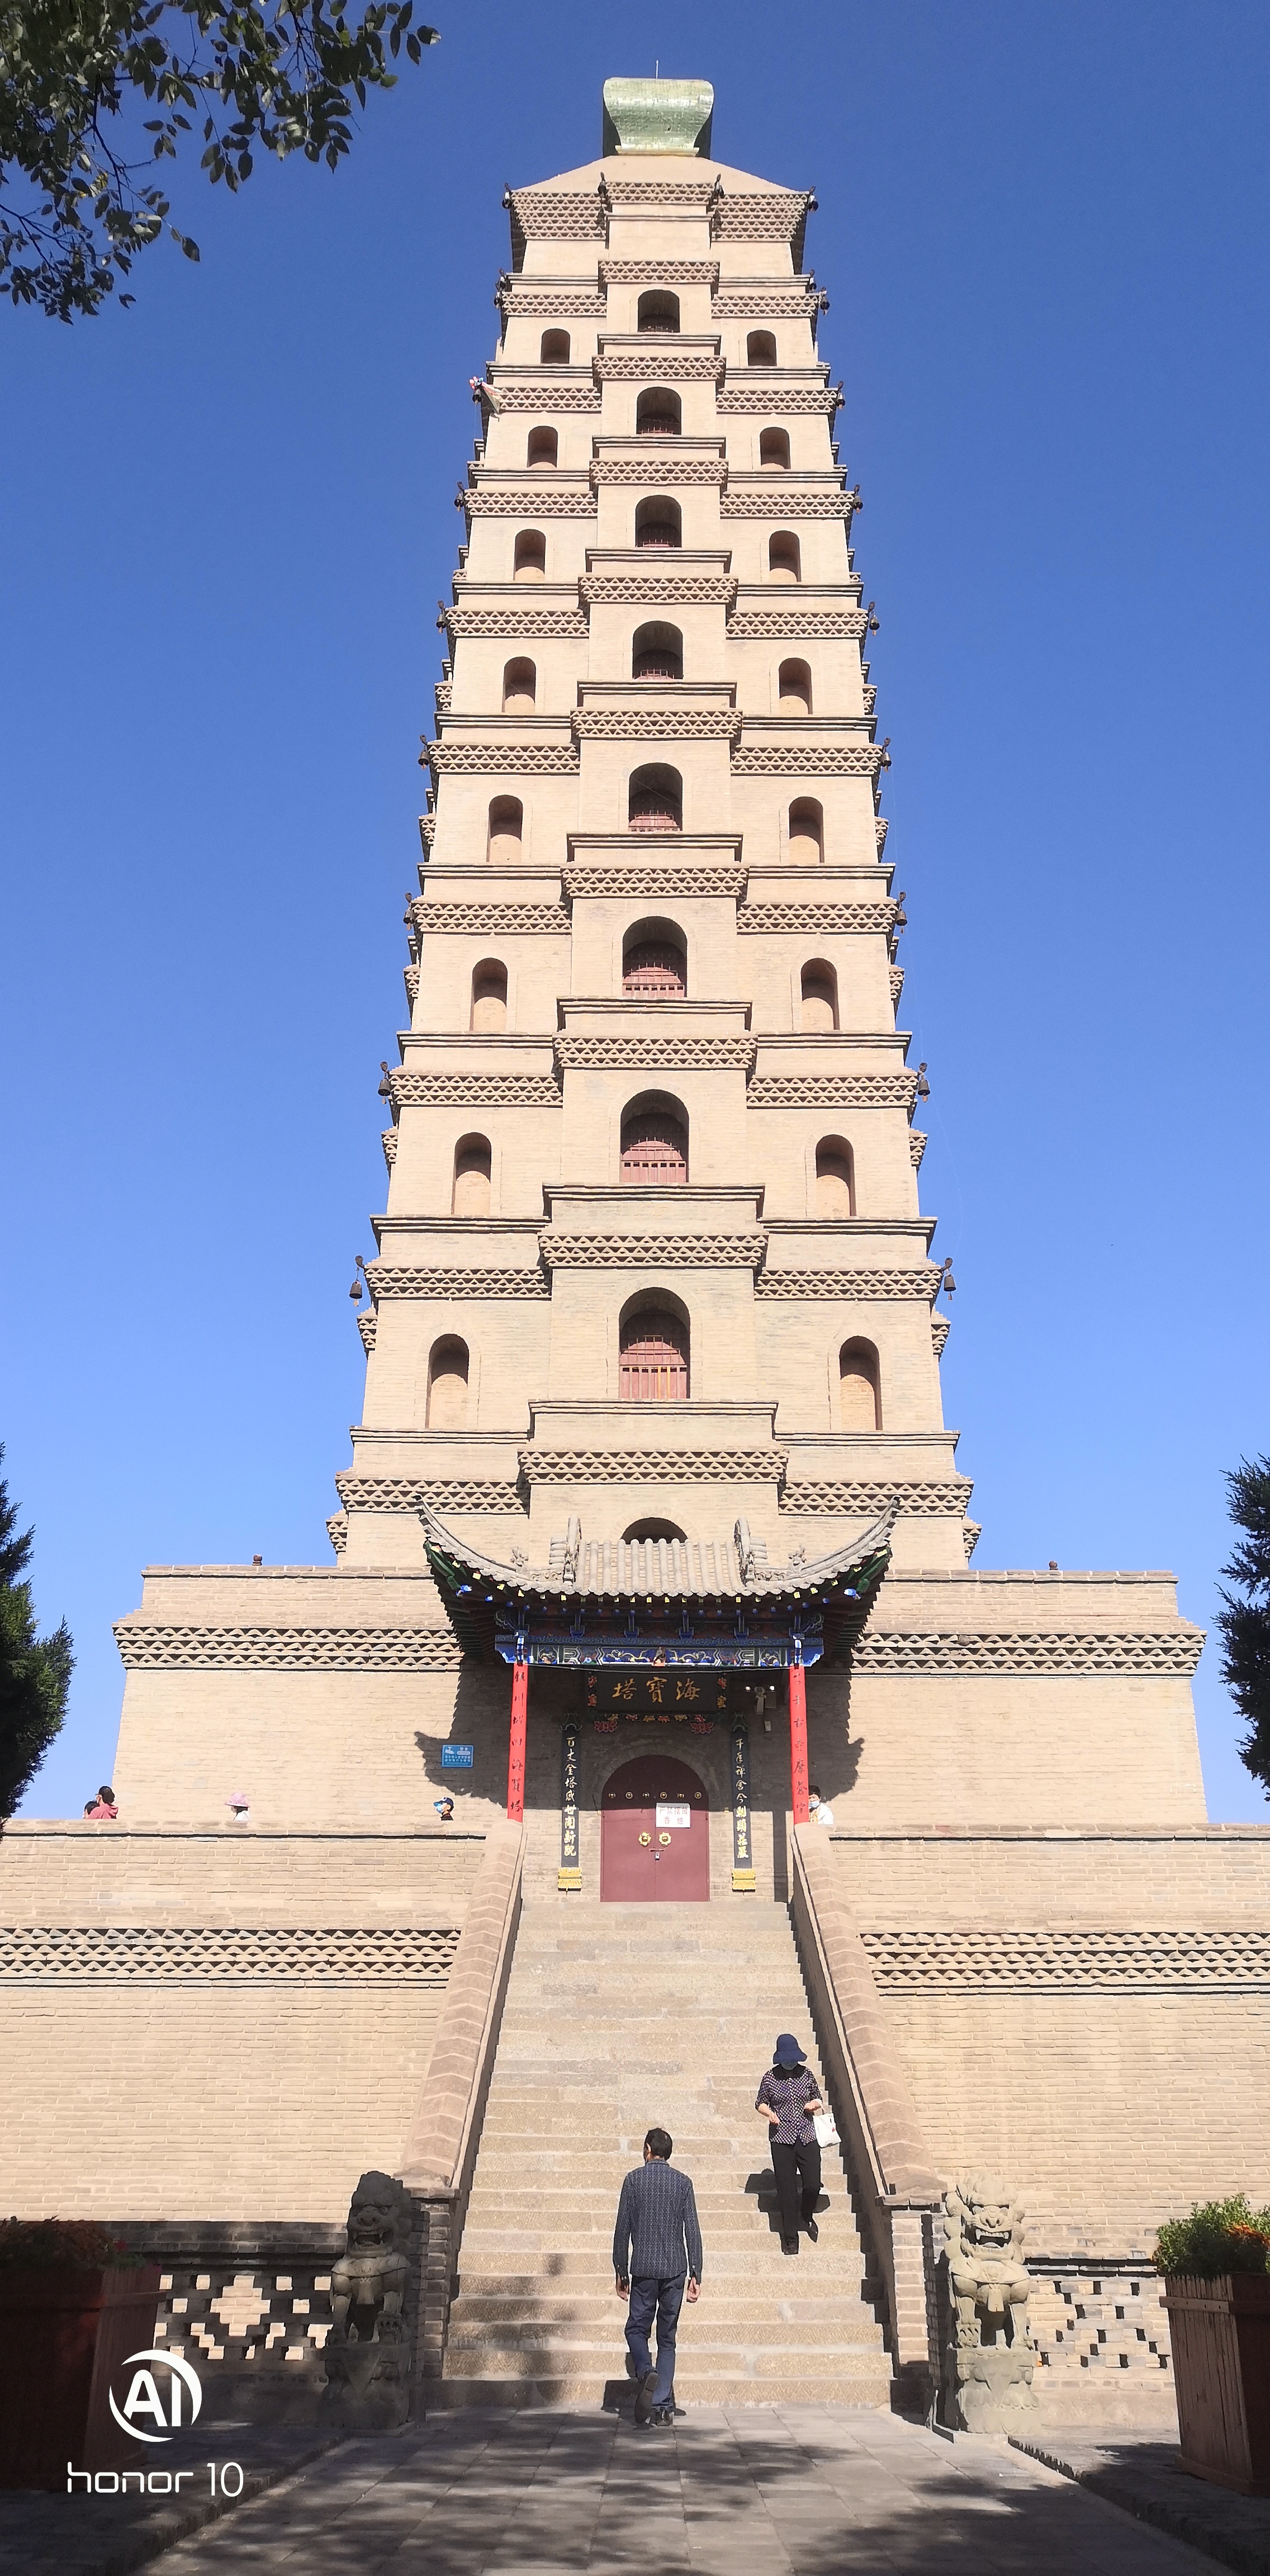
[663,1838]
[646,1838]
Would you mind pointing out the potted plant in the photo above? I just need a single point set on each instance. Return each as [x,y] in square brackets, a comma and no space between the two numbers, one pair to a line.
[74,2303]
[1216,2267]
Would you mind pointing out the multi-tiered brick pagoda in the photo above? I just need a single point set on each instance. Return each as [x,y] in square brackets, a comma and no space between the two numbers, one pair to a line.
[652,1498]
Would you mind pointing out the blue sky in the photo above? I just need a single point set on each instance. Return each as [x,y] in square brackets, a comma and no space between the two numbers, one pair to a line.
[225,523]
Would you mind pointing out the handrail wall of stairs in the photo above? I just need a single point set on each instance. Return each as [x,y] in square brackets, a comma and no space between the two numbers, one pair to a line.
[441,2146]
[892,2170]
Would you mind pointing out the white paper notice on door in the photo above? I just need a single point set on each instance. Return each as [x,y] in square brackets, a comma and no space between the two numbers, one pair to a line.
[674,1815]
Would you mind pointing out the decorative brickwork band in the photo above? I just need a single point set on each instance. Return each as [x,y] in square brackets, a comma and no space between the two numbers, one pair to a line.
[367,1327]
[794,504]
[517,618]
[808,759]
[667,361]
[815,920]
[940,1326]
[541,500]
[1021,1650]
[923,1281]
[652,1251]
[554,214]
[146,1645]
[865,1501]
[474,1090]
[779,214]
[671,1054]
[1118,1960]
[660,884]
[443,1493]
[660,272]
[492,920]
[833,1091]
[916,1147]
[546,396]
[664,588]
[649,1466]
[388,1141]
[187,1953]
[553,302]
[476,759]
[393,1279]
[656,724]
[660,472]
[776,396]
[761,624]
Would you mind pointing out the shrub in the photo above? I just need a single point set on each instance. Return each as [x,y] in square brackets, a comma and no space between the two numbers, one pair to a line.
[56,2244]
[1222,2236]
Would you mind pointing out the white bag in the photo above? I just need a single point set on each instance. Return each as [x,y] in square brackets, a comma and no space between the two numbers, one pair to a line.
[823,2124]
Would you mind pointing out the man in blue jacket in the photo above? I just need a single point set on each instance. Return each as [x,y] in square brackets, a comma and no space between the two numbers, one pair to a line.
[656,2254]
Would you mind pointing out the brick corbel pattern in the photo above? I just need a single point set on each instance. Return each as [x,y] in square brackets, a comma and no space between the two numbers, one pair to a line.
[443,2138]
[852,1501]
[788,505]
[923,1281]
[395,1279]
[777,397]
[662,469]
[916,1149]
[663,589]
[660,272]
[871,2094]
[1021,1650]
[474,1091]
[366,1327]
[642,1466]
[833,1091]
[653,1251]
[445,1493]
[549,397]
[663,883]
[475,759]
[537,501]
[513,620]
[491,920]
[815,920]
[756,624]
[662,724]
[150,1645]
[663,361]
[809,759]
[670,1054]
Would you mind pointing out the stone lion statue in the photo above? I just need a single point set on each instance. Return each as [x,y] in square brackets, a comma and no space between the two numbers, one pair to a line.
[989,2366]
[367,2352]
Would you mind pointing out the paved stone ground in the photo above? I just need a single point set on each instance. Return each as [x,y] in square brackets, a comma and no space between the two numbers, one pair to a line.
[1143,2475]
[821,2490]
[107,2535]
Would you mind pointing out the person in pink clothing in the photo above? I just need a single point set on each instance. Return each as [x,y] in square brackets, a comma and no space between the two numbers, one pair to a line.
[102,1809]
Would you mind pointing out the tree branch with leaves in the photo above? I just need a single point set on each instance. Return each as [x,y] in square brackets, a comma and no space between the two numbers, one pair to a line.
[1244,1619]
[79,192]
[35,1672]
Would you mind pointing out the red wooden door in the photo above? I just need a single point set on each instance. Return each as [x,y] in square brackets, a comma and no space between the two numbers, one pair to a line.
[655,1834]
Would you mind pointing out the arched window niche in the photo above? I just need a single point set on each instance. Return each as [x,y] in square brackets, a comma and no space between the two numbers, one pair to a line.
[807,831]
[654,1142]
[835,1177]
[658,413]
[760,349]
[658,522]
[655,799]
[793,689]
[555,349]
[784,556]
[489,996]
[543,447]
[529,560]
[773,448]
[473,1163]
[520,687]
[657,652]
[819,997]
[653,1347]
[447,1384]
[655,960]
[657,311]
[505,835]
[859,1388]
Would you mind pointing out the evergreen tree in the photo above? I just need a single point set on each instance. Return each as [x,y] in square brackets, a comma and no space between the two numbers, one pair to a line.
[35,1672]
[1244,1619]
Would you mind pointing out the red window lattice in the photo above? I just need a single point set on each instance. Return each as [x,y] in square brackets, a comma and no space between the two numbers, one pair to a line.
[654,809]
[654,1150]
[655,1358]
[654,967]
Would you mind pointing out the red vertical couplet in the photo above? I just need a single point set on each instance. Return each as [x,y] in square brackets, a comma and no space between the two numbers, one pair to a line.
[516,1749]
[798,1742]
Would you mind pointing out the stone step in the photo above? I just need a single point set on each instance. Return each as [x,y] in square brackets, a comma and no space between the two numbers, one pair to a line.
[536,2351]
[534,2301]
[857,2386]
[494,2257]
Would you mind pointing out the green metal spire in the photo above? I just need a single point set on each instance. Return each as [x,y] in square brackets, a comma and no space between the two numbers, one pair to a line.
[658,116]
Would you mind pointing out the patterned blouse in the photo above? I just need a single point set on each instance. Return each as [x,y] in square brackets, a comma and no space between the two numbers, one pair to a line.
[789,2094]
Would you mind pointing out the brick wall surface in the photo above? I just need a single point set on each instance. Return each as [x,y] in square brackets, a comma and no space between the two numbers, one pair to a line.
[217,2080]
[1111,2081]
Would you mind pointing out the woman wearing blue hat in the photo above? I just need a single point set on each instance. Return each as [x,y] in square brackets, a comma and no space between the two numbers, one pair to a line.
[789,2098]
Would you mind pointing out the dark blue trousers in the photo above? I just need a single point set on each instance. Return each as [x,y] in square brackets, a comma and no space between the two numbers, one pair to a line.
[663,2300]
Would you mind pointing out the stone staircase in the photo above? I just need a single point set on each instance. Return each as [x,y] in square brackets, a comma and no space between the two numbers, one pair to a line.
[617,2018]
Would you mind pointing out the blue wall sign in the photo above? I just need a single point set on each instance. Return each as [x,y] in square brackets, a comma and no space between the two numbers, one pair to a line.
[457,1757]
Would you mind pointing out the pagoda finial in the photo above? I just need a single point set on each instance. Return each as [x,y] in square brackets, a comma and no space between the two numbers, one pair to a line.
[657,116]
